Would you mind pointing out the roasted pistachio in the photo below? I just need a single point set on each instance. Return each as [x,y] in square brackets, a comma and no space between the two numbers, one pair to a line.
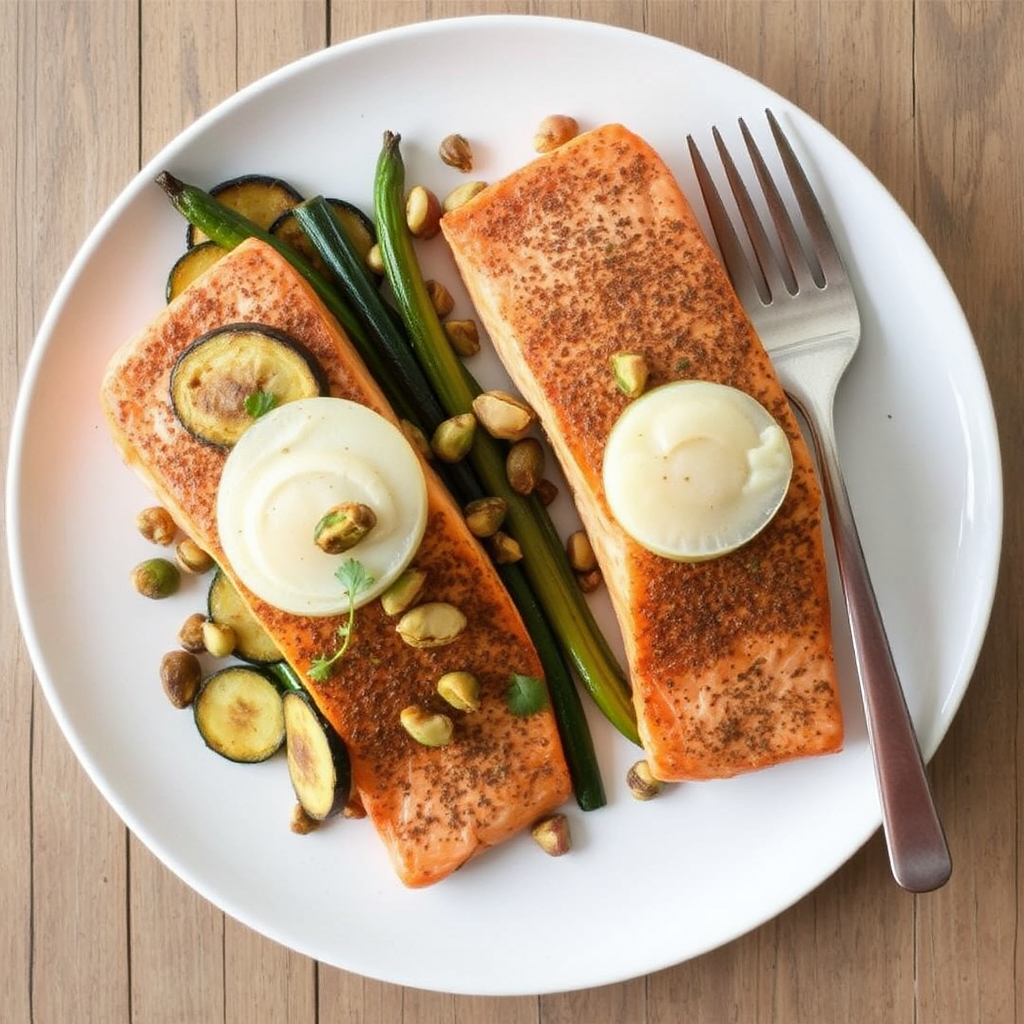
[180,675]
[157,525]
[505,549]
[428,728]
[580,552]
[422,212]
[631,372]
[191,558]
[463,336]
[431,625]
[503,415]
[462,194]
[546,491]
[374,260]
[415,436]
[461,690]
[302,823]
[440,298]
[484,516]
[156,578]
[456,152]
[554,131]
[642,783]
[454,437]
[218,638]
[343,526]
[190,636]
[404,592]
[589,581]
[524,465]
[551,834]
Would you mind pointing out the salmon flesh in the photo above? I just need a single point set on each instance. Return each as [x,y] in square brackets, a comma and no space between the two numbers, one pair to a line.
[434,808]
[593,250]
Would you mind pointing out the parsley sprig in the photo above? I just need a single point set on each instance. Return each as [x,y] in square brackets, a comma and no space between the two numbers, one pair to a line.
[353,577]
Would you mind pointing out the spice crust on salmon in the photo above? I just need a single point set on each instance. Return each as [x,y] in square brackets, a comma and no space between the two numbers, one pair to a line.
[593,250]
[435,808]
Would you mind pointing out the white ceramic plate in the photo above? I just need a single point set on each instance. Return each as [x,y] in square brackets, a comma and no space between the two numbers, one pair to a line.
[647,885]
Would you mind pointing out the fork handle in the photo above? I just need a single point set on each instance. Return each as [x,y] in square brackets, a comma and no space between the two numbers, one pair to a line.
[918,851]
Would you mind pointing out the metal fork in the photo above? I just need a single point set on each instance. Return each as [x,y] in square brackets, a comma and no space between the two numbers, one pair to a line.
[805,312]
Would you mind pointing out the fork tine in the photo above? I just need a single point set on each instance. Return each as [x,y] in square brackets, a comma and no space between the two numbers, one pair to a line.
[825,248]
[778,274]
[803,275]
[751,287]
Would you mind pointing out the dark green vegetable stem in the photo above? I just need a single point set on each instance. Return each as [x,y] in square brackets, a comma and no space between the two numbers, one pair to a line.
[544,560]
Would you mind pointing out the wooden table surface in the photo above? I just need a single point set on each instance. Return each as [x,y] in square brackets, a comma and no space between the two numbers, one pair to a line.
[930,95]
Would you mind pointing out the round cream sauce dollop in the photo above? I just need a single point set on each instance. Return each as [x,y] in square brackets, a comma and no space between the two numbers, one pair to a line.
[291,466]
[694,469]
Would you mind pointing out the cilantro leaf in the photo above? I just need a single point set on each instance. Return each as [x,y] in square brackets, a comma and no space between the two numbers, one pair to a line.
[526,695]
[259,403]
[353,577]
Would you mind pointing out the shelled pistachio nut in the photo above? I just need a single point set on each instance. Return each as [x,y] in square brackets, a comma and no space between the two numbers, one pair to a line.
[551,834]
[462,194]
[422,212]
[428,728]
[433,624]
[456,152]
[454,437]
[485,516]
[580,552]
[156,578]
[461,690]
[505,549]
[631,371]
[524,465]
[463,336]
[343,526]
[404,592]
[641,782]
[503,415]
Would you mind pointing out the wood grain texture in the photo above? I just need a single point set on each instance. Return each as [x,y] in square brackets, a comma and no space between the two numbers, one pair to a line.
[930,95]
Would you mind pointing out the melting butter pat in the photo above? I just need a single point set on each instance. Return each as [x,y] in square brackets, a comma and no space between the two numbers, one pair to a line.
[692,470]
[287,470]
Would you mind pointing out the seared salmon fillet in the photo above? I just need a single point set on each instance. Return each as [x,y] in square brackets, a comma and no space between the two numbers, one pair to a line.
[435,808]
[593,250]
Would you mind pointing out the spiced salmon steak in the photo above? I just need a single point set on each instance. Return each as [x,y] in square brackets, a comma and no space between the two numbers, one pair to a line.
[434,807]
[593,250]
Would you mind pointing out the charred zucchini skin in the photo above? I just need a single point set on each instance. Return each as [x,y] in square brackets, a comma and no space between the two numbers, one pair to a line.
[225,605]
[318,762]
[261,198]
[239,713]
[214,375]
[190,265]
[358,228]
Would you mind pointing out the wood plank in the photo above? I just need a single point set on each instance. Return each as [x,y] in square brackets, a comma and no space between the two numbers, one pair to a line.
[82,74]
[970,207]
[17,114]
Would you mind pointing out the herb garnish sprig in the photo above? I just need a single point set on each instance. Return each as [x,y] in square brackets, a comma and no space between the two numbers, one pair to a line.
[352,575]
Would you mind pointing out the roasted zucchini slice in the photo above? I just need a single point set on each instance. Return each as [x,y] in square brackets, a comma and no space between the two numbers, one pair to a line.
[239,713]
[191,264]
[356,225]
[220,373]
[226,606]
[259,197]
[318,762]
